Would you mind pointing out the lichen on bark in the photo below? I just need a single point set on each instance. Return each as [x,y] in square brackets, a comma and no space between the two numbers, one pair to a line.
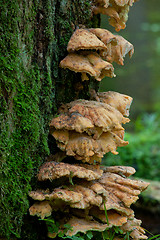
[34,36]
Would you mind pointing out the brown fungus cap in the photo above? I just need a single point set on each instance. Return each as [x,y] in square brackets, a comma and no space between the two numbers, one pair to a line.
[83,225]
[121,2]
[116,53]
[117,100]
[90,198]
[106,3]
[41,209]
[122,12]
[101,67]
[124,2]
[126,190]
[74,121]
[133,226]
[81,146]
[125,46]
[114,217]
[109,177]
[123,171]
[108,39]
[65,195]
[117,10]
[98,189]
[115,19]
[88,63]
[54,170]
[84,147]
[104,35]
[83,39]
[86,200]
[78,63]
[91,117]
[113,190]
[101,114]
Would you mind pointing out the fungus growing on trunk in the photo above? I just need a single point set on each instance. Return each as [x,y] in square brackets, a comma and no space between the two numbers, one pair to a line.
[117,46]
[111,48]
[87,149]
[87,201]
[117,100]
[84,39]
[105,36]
[41,209]
[117,10]
[101,130]
[54,170]
[92,113]
[94,197]
[118,52]
[88,63]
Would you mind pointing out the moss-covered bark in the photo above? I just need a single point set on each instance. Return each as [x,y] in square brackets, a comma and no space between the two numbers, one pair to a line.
[33,39]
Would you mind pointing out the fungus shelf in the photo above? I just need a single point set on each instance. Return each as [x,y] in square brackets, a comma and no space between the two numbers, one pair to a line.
[85,130]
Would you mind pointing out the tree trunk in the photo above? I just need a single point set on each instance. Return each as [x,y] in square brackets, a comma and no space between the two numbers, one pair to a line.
[34,37]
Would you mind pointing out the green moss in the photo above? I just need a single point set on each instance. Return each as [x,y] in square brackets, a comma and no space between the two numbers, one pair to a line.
[26,95]
[33,39]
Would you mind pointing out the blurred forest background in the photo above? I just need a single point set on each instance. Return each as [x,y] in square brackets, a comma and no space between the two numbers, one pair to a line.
[140,79]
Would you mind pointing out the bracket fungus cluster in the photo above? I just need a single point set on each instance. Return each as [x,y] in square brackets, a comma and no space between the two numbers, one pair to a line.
[95,190]
[82,193]
[89,129]
[92,51]
[116,10]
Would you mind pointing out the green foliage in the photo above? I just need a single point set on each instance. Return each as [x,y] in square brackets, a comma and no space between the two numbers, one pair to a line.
[153,236]
[143,151]
[157,237]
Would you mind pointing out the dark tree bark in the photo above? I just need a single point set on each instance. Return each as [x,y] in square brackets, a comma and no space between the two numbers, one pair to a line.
[34,36]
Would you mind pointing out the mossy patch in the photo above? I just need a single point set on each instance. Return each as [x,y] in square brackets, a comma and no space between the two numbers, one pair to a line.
[34,36]
[26,95]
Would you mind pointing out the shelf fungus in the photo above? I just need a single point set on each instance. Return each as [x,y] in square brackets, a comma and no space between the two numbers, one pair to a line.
[54,170]
[80,59]
[87,130]
[41,209]
[119,51]
[84,147]
[97,114]
[116,10]
[85,195]
[88,63]
[92,51]
[86,202]
[117,100]
[82,39]
[117,46]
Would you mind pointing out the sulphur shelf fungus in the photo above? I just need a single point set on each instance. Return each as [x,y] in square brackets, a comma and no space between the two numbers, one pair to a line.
[119,101]
[92,51]
[54,170]
[88,63]
[117,46]
[86,202]
[118,52]
[82,39]
[116,10]
[86,115]
[83,147]
[87,130]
